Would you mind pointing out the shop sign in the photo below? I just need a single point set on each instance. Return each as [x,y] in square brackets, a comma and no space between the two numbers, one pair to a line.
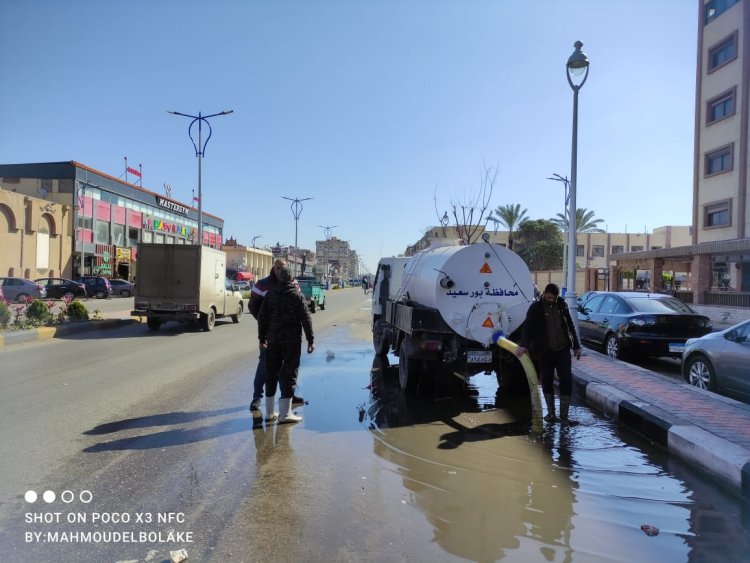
[171,205]
[153,224]
[123,255]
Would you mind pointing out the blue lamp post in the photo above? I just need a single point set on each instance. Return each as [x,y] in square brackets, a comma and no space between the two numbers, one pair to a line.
[200,149]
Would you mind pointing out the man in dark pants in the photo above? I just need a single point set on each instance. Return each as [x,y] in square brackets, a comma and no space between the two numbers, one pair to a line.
[549,333]
[256,302]
[281,321]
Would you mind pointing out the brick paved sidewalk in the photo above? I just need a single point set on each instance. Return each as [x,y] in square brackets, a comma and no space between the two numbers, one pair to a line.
[707,429]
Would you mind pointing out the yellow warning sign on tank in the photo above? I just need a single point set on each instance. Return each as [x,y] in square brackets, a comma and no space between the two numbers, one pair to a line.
[485,269]
[488,323]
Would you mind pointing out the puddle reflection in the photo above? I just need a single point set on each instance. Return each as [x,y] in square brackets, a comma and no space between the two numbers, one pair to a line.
[491,489]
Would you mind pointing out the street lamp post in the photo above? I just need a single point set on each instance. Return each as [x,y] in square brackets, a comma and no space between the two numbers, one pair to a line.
[566,183]
[296,211]
[577,68]
[200,150]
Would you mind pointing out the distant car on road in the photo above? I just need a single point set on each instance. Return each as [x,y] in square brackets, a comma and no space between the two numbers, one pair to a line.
[643,324]
[244,285]
[123,288]
[96,286]
[18,289]
[720,361]
[57,288]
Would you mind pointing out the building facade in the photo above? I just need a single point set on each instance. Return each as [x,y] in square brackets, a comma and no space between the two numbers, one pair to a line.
[35,237]
[109,217]
[333,259]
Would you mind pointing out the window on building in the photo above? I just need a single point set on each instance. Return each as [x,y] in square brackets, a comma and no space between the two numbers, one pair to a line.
[118,235]
[720,107]
[719,161]
[717,214]
[722,53]
[617,249]
[101,232]
[132,236]
[158,238]
[636,248]
[148,236]
[597,251]
[579,250]
[714,8]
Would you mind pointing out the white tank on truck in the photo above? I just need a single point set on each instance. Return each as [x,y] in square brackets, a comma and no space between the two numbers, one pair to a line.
[437,310]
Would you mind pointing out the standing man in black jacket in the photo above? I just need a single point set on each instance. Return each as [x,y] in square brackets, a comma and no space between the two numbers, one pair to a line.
[549,333]
[282,319]
[257,296]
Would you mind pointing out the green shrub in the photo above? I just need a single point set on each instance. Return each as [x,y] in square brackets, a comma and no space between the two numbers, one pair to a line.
[37,311]
[4,314]
[77,311]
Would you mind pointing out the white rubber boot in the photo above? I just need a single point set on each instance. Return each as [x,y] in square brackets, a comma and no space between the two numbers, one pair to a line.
[271,414]
[285,407]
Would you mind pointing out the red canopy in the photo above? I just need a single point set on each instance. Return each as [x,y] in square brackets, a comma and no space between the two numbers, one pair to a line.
[244,276]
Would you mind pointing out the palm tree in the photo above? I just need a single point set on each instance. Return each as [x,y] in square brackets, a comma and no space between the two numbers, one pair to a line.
[510,216]
[585,222]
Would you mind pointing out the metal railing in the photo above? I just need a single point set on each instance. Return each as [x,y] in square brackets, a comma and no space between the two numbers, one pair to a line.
[727,298]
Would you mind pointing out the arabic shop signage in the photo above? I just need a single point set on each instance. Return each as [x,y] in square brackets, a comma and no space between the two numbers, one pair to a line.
[171,205]
[154,224]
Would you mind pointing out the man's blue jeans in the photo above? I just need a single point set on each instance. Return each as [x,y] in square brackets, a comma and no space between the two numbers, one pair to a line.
[260,376]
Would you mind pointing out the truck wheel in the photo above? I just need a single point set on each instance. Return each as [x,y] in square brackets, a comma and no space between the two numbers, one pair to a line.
[380,340]
[312,306]
[238,317]
[208,320]
[153,324]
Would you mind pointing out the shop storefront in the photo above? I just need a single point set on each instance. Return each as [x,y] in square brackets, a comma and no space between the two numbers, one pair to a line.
[110,216]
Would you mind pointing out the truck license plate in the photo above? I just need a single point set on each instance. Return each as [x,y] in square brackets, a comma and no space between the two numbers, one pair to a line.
[479,356]
[676,347]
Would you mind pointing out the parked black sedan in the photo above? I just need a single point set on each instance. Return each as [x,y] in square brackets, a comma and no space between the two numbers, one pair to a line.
[643,324]
[57,288]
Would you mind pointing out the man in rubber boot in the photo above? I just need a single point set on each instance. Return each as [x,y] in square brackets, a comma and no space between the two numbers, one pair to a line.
[549,333]
[281,321]
[256,302]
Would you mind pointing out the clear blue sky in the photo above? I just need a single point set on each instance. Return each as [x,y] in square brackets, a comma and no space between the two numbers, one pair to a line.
[368,107]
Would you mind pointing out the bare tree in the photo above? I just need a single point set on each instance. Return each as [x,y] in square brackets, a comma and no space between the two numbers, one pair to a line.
[470,213]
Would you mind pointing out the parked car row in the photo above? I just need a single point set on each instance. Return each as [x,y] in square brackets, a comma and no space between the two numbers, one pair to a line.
[629,324]
[19,289]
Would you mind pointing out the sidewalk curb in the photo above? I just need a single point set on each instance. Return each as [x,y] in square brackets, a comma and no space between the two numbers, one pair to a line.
[717,456]
[13,338]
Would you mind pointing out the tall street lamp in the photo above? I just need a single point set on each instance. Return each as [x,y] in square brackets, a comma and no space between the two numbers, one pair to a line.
[296,211]
[564,179]
[254,238]
[200,149]
[577,72]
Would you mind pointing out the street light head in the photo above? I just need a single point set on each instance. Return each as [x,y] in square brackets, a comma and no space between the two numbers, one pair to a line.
[445,219]
[578,62]
[227,112]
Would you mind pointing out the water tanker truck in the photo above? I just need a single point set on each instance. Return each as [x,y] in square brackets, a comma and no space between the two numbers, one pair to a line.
[438,310]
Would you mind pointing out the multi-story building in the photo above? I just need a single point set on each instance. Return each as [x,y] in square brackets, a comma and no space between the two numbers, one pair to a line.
[333,259]
[109,217]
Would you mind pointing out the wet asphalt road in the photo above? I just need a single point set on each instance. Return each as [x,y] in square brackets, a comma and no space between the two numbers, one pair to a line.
[156,425]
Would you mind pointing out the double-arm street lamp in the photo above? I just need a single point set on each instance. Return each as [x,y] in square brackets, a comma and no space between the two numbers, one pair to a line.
[200,149]
[296,211]
[564,179]
[577,70]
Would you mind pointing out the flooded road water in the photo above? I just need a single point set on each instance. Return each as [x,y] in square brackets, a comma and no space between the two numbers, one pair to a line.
[370,474]
[490,490]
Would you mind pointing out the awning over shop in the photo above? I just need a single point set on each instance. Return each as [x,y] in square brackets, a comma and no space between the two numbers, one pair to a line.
[240,276]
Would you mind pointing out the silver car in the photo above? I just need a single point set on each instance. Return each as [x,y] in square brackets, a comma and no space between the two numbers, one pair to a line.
[720,361]
[19,289]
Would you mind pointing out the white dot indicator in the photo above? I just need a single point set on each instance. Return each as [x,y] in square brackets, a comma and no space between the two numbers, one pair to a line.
[49,496]
[85,497]
[30,496]
[67,496]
